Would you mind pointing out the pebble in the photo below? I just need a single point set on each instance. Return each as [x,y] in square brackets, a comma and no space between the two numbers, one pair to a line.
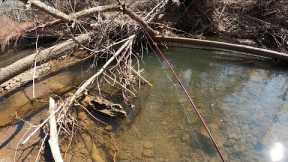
[137,155]
[232,135]
[162,160]
[181,127]
[164,123]
[185,138]
[148,145]
[124,156]
[148,153]
[108,128]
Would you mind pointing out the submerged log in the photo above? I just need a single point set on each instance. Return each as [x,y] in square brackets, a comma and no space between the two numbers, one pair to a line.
[103,106]
[190,43]
[45,55]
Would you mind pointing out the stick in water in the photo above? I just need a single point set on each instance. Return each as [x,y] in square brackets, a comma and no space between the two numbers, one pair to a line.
[53,141]
[160,54]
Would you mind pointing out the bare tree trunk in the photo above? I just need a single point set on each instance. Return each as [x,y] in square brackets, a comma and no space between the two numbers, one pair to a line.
[25,63]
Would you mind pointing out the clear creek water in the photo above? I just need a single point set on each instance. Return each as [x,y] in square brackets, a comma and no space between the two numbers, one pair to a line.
[244,104]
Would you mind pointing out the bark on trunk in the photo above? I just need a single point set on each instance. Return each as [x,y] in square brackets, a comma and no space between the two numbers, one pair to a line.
[25,63]
[50,10]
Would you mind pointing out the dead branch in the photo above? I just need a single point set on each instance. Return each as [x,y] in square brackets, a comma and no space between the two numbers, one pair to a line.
[80,14]
[151,34]
[45,55]
[53,141]
[140,76]
[139,20]
[50,10]
[189,42]
[116,82]
[83,87]
[162,56]
[93,10]
[155,11]
[104,67]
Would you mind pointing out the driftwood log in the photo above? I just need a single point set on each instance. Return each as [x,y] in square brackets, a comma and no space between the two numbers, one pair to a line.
[55,51]
[191,43]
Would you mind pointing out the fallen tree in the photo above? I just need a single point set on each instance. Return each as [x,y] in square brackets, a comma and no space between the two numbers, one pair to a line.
[123,25]
[55,51]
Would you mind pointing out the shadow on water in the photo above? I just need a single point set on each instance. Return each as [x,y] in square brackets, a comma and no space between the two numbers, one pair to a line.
[19,127]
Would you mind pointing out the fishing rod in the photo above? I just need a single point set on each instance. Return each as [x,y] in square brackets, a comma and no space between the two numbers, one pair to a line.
[162,56]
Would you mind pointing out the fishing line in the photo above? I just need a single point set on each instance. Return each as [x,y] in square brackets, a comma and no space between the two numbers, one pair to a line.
[162,56]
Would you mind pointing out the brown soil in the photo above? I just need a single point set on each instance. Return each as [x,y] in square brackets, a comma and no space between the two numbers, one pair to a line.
[10,29]
[262,22]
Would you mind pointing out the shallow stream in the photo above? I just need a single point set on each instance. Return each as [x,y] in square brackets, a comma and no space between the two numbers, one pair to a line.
[243,103]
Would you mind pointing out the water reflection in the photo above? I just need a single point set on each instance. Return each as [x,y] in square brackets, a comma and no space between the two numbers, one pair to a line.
[245,107]
[187,74]
[277,152]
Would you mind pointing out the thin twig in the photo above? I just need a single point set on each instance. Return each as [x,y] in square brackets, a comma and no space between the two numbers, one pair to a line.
[115,81]
[160,54]
[92,79]
[140,76]
[41,147]
[35,69]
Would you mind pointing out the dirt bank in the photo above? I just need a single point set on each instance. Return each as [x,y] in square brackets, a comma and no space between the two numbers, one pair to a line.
[261,23]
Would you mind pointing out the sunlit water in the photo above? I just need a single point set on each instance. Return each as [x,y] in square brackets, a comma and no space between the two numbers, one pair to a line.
[21,105]
[244,105]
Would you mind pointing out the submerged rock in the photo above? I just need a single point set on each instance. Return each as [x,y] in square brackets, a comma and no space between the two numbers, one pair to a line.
[148,153]
[147,145]
[185,138]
